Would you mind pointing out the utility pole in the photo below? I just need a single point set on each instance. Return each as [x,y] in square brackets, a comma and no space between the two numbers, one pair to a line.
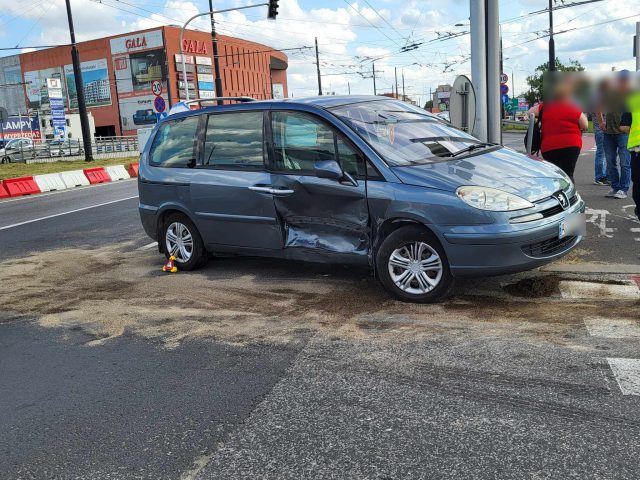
[373,67]
[216,59]
[395,71]
[479,66]
[552,45]
[318,68]
[82,106]
[404,97]
[349,87]
[494,122]
[638,47]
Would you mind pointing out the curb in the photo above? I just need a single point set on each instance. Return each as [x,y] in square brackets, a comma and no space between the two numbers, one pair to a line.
[50,182]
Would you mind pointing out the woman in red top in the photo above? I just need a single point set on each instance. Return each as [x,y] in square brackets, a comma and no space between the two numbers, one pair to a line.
[561,129]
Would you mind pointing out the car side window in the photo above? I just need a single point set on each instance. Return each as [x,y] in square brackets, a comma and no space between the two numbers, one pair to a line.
[350,160]
[175,143]
[299,141]
[234,140]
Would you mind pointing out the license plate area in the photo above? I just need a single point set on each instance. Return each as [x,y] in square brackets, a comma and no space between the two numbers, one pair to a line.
[573,224]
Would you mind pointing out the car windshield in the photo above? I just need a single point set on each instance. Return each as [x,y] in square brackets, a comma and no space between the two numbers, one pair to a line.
[404,134]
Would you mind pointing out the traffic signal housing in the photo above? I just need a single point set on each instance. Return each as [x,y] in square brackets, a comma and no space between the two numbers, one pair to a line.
[273,9]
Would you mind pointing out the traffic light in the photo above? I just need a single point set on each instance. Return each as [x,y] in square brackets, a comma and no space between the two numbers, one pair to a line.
[273,9]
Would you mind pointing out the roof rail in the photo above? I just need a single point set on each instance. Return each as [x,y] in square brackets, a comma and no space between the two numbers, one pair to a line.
[215,99]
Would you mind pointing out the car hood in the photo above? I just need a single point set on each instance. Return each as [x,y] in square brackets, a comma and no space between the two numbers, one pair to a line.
[503,168]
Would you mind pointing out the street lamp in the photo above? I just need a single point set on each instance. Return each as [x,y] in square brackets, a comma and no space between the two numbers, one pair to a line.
[273,12]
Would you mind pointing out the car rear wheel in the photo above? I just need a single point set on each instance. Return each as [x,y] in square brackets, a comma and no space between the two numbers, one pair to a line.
[181,239]
[5,160]
[413,266]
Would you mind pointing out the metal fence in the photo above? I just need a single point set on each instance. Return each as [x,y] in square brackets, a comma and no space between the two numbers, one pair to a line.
[67,150]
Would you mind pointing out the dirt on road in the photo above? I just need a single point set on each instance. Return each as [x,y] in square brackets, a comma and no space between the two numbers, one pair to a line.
[112,291]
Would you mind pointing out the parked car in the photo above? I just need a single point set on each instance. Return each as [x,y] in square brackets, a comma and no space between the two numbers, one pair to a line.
[16,150]
[64,148]
[357,180]
[144,117]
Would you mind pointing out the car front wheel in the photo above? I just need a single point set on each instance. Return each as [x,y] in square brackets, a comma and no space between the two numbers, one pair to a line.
[413,266]
[5,160]
[182,240]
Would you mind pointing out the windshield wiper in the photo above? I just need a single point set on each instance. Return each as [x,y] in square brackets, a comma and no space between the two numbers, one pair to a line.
[470,148]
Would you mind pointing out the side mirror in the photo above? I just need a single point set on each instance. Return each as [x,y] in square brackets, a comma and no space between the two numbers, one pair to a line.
[328,169]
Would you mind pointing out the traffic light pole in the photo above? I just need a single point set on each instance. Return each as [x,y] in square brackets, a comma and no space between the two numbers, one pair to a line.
[82,106]
[213,38]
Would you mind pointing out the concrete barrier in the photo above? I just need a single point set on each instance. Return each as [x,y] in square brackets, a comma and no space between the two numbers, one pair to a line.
[117,172]
[133,169]
[74,178]
[17,187]
[96,175]
[49,182]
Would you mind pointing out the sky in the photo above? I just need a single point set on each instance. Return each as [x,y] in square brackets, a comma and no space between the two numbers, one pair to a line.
[352,34]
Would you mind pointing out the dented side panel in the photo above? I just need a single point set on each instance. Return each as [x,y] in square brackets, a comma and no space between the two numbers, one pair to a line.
[323,215]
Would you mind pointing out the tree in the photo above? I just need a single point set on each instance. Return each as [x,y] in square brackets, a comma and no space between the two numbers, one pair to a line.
[428,105]
[536,81]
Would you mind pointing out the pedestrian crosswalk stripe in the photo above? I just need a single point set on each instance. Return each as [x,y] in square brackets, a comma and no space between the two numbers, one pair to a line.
[612,328]
[594,290]
[627,374]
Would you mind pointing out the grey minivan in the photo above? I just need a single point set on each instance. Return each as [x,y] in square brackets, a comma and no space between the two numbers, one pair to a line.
[358,180]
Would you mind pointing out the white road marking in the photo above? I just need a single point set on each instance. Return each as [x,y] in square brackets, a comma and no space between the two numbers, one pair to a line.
[593,290]
[68,190]
[627,373]
[599,219]
[6,227]
[612,328]
[148,246]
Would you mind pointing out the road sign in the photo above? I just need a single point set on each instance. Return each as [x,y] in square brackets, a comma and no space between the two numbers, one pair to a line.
[504,89]
[156,87]
[159,104]
[505,99]
[504,78]
[462,104]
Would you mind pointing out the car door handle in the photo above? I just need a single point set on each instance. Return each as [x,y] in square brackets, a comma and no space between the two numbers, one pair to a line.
[271,190]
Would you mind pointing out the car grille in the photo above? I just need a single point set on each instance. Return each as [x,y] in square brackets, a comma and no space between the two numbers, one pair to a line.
[550,212]
[548,247]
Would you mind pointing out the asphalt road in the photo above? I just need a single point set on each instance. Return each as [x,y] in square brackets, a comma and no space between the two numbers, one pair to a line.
[252,368]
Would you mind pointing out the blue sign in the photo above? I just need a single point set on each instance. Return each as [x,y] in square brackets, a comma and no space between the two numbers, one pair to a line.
[505,99]
[205,85]
[504,89]
[159,104]
[21,126]
[57,112]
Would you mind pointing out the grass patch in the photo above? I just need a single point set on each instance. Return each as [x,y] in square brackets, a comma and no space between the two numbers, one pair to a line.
[12,170]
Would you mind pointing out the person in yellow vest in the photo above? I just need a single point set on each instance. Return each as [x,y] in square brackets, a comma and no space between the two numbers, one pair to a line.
[630,122]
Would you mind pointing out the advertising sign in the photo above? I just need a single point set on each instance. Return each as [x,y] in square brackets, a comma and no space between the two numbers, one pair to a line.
[204,77]
[188,59]
[203,61]
[204,69]
[190,76]
[278,90]
[205,86]
[140,64]
[17,126]
[36,86]
[207,94]
[95,81]
[56,103]
[137,42]
[523,105]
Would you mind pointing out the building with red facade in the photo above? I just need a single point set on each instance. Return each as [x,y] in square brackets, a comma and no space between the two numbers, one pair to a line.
[123,74]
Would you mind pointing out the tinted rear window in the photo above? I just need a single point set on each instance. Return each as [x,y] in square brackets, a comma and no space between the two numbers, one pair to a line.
[175,143]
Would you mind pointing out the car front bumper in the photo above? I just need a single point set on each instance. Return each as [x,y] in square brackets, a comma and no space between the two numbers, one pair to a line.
[507,249]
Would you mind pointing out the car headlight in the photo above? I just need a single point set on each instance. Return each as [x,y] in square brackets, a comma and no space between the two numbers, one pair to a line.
[486,198]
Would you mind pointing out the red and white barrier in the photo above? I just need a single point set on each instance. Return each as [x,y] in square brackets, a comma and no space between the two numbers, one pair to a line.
[96,175]
[74,178]
[49,182]
[17,187]
[133,169]
[3,191]
[117,172]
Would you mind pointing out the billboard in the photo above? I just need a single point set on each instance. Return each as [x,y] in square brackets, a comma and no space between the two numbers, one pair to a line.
[36,86]
[18,126]
[95,80]
[139,60]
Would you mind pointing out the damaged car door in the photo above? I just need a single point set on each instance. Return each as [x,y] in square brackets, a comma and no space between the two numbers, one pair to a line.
[323,205]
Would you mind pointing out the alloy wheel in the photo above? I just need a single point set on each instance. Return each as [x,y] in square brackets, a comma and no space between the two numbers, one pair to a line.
[179,242]
[415,268]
